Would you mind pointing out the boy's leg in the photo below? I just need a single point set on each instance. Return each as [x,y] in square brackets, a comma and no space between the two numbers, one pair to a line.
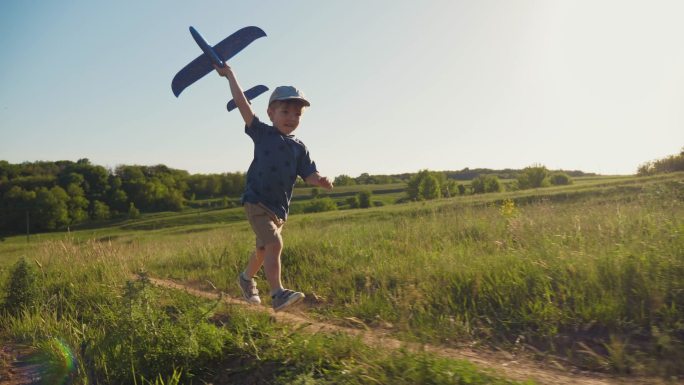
[267,228]
[246,278]
[281,298]
[272,264]
[256,260]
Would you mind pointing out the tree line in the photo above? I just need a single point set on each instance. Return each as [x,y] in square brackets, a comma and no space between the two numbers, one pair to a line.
[426,185]
[53,195]
[672,163]
[56,195]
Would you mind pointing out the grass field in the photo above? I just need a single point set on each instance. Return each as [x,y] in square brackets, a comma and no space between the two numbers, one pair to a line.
[593,272]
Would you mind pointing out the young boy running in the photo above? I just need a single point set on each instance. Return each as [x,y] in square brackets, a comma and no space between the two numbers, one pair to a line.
[278,158]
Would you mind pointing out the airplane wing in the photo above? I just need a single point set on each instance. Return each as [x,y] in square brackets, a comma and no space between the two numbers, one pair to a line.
[226,49]
[249,94]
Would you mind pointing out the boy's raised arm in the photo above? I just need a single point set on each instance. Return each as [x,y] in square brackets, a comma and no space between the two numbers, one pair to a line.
[236,91]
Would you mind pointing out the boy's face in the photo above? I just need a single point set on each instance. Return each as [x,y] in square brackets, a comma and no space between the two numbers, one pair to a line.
[285,115]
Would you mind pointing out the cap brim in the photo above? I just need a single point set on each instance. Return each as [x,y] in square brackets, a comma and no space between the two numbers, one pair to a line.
[304,101]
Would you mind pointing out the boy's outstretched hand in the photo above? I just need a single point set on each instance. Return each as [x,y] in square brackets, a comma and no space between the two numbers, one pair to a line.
[317,180]
[326,183]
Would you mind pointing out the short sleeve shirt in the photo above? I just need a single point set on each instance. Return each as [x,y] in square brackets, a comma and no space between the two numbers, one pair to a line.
[278,160]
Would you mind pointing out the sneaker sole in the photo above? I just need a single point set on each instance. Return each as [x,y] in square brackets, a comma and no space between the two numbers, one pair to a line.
[292,301]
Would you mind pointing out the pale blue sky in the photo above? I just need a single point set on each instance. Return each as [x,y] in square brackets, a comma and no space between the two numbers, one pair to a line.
[395,86]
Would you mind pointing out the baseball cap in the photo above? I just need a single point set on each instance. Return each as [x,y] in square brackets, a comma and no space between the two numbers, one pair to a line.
[288,93]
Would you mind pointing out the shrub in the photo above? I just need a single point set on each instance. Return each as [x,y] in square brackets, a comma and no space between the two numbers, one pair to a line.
[22,288]
[364,198]
[353,202]
[560,179]
[319,205]
[461,189]
[429,188]
[486,184]
[533,177]
[133,212]
[425,185]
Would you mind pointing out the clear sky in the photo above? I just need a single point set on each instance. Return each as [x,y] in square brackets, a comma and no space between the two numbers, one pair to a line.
[395,85]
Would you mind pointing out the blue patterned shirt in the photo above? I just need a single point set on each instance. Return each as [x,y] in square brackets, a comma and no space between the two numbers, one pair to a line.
[278,159]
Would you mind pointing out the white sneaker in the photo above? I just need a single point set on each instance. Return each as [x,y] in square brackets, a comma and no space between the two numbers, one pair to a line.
[249,290]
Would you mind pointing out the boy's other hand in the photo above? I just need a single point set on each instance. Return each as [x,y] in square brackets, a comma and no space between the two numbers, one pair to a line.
[321,181]
[326,183]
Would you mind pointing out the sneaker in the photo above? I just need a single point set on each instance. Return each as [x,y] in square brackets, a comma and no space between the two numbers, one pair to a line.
[286,298]
[249,290]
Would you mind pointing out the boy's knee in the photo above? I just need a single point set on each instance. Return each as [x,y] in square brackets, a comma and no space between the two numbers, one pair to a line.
[275,245]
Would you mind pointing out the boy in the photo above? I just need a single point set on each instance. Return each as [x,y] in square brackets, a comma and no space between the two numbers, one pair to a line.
[278,158]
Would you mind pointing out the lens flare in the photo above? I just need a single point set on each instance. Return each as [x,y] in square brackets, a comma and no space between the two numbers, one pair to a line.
[53,363]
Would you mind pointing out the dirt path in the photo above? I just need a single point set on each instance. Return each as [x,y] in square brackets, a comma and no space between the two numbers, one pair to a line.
[504,364]
[15,369]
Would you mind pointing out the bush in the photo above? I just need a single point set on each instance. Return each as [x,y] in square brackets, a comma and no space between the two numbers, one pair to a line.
[353,202]
[486,184]
[461,189]
[22,288]
[319,205]
[560,179]
[534,176]
[425,185]
[133,212]
[364,198]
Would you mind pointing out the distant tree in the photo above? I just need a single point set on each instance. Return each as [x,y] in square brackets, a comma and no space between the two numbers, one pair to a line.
[534,176]
[364,178]
[364,198]
[51,211]
[315,192]
[425,185]
[672,163]
[486,184]
[100,211]
[560,179]
[449,187]
[77,205]
[429,188]
[16,203]
[117,200]
[133,212]
[344,180]
[353,202]
[461,189]
[478,185]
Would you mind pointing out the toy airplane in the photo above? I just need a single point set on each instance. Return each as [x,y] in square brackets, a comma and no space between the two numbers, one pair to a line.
[218,55]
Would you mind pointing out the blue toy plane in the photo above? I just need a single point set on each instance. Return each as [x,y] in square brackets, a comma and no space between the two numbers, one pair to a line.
[218,54]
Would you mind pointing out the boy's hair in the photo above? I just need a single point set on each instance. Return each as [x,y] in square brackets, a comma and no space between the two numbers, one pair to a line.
[287,102]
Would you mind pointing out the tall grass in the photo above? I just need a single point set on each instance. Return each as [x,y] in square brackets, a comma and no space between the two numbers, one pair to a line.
[576,271]
[91,324]
[593,271]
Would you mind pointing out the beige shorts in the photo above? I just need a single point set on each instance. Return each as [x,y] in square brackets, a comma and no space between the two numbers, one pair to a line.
[266,225]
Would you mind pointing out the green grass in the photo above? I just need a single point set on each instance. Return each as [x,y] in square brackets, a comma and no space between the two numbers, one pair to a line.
[92,325]
[593,271]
